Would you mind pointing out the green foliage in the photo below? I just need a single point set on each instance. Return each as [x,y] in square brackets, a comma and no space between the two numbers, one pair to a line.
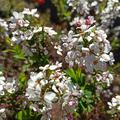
[62,9]
[115,44]
[28,115]
[17,52]
[102,5]
[87,100]
[76,76]
[22,80]
[7,6]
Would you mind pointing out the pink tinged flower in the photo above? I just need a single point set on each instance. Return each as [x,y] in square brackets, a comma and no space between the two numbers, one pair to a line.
[98,77]
[90,20]
[71,103]
[78,24]
[34,107]
[70,117]
[87,22]
[71,63]
[20,23]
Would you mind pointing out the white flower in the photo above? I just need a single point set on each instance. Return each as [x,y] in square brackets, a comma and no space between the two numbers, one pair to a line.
[89,38]
[107,47]
[54,88]
[75,21]
[105,57]
[49,97]
[35,84]
[17,15]
[94,3]
[84,49]
[59,49]
[2,78]
[34,107]
[84,27]
[54,67]
[115,1]
[43,82]
[37,29]
[111,58]
[115,103]
[105,77]
[12,25]
[33,95]
[2,110]
[2,83]
[32,12]
[50,31]
[118,108]
[94,47]
[4,24]
[10,85]
[101,35]
[23,23]
[98,77]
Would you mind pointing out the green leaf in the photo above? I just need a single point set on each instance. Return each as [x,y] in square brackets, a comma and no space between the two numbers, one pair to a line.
[77,76]
[70,72]
[102,5]
[82,105]
[22,115]
[19,115]
[18,53]
[22,80]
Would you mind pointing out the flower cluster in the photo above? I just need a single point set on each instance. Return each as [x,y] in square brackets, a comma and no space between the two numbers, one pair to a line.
[89,48]
[115,103]
[7,85]
[109,14]
[81,6]
[105,77]
[105,14]
[3,24]
[83,24]
[21,25]
[50,86]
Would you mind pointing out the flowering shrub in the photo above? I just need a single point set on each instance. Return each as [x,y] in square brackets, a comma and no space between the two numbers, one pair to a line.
[62,76]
